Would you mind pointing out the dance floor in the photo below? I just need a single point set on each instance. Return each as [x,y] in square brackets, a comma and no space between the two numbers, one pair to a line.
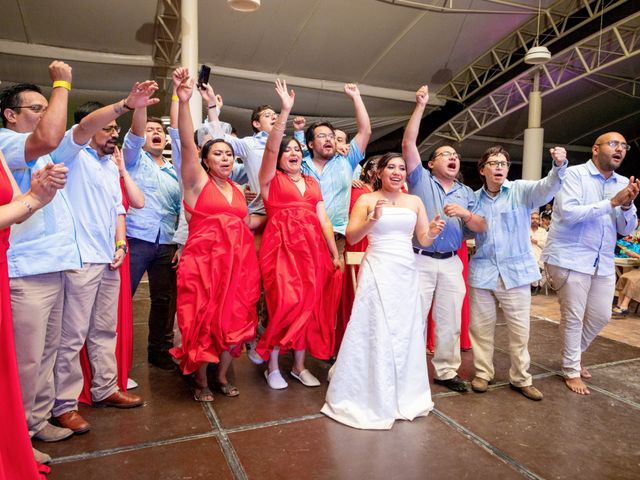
[266,434]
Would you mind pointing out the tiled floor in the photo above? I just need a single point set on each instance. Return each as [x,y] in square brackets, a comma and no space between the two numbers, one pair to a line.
[265,434]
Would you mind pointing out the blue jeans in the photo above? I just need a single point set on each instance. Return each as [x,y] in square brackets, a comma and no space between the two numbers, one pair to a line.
[155,259]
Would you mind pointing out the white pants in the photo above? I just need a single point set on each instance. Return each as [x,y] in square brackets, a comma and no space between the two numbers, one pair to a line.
[585,308]
[516,306]
[91,315]
[36,306]
[441,282]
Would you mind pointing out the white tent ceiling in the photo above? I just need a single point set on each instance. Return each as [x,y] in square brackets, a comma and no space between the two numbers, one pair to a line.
[387,48]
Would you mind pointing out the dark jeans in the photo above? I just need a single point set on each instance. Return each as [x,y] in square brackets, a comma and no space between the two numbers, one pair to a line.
[155,259]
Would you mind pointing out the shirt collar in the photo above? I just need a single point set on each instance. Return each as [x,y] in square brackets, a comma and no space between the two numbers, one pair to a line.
[505,186]
[593,170]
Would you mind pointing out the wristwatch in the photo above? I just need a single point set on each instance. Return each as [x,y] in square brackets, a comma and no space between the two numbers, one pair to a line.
[124,248]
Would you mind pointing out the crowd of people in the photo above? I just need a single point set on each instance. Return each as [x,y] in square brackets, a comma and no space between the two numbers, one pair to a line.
[87,220]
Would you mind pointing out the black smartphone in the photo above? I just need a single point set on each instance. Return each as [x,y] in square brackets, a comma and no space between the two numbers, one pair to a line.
[203,75]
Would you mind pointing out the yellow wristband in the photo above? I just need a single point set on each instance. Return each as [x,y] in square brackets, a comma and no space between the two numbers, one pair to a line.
[120,242]
[174,98]
[62,83]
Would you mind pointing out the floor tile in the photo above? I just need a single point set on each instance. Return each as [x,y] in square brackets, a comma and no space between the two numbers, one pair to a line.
[324,449]
[623,380]
[196,459]
[564,436]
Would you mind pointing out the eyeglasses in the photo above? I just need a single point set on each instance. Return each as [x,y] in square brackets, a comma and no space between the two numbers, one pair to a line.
[35,108]
[496,163]
[448,155]
[112,128]
[616,144]
[270,115]
[322,136]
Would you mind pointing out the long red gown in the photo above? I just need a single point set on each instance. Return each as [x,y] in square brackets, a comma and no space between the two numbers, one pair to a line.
[124,329]
[16,456]
[346,299]
[302,287]
[218,281]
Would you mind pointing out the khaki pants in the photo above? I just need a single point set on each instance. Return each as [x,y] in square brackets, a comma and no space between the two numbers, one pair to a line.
[36,306]
[585,308]
[441,282]
[516,306]
[91,315]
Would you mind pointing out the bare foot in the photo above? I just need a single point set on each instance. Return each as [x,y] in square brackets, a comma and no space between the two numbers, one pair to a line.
[577,385]
[584,373]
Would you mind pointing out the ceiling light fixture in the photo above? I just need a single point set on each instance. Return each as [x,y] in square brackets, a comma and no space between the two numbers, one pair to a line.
[244,5]
[537,55]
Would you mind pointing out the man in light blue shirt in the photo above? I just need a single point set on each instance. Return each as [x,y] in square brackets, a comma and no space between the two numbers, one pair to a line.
[594,205]
[42,247]
[440,269]
[90,310]
[150,230]
[504,265]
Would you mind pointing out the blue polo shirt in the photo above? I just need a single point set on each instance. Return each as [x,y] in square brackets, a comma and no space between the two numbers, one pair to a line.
[159,217]
[46,241]
[423,184]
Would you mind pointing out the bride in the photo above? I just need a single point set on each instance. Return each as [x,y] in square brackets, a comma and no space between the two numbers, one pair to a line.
[380,374]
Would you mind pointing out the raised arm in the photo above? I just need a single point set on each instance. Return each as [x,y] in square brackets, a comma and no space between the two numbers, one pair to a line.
[410,151]
[270,156]
[51,127]
[131,190]
[362,117]
[139,97]
[193,174]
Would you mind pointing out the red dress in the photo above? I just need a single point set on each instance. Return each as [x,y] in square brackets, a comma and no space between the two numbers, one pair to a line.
[124,329]
[218,280]
[16,456]
[301,285]
[346,299]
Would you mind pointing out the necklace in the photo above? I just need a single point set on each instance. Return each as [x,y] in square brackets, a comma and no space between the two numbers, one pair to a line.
[491,191]
[296,180]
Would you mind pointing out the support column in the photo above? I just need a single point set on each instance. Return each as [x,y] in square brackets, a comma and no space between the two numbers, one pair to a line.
[533,135]
[189,55]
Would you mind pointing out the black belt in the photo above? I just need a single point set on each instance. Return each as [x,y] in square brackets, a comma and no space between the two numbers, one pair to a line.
[436,255]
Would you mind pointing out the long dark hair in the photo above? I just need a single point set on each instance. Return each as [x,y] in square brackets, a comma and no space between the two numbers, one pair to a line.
[284,144]
[368,167]
[382,163]
[204,152]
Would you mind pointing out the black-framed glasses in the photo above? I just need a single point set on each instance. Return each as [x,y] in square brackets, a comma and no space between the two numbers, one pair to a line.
[616,144]
[35,108]
[498,163]
[112,128]
[447,155]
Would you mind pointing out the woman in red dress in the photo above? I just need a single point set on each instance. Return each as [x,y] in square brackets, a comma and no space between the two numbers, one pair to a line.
[365,185]
[131,196]
[298,258]
[16,454]
[218,274]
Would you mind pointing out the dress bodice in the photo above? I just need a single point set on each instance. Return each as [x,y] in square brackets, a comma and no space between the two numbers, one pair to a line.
[396,226]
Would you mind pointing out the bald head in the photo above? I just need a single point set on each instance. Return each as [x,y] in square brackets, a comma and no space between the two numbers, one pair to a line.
[608,152]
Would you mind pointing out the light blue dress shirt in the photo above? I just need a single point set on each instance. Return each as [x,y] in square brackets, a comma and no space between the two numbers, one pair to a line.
[46,241]
[335,182]
[434,197]
[95,198]
[159,217]
[504,249]
[584,224]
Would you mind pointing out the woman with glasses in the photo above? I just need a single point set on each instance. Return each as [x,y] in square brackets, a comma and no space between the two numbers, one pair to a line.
[504,266]
[298,258]
[16,455]
[218,278]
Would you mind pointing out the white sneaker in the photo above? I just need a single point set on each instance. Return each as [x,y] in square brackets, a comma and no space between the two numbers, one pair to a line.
[41,457]
[131,384]
[306,378]
[253,355]
[275,380]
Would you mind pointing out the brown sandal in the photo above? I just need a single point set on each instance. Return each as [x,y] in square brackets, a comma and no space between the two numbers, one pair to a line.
[203,394]
[228,390]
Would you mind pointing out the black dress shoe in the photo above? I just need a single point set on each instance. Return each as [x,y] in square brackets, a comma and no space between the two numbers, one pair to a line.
[456,384]
[162,360]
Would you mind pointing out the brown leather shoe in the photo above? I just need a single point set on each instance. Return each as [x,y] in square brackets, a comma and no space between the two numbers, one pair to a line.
[531,392]
[120,399]
[73,421]
[479,385]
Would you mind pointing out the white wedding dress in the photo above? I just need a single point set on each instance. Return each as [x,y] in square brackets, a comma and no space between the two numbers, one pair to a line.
[380,374]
